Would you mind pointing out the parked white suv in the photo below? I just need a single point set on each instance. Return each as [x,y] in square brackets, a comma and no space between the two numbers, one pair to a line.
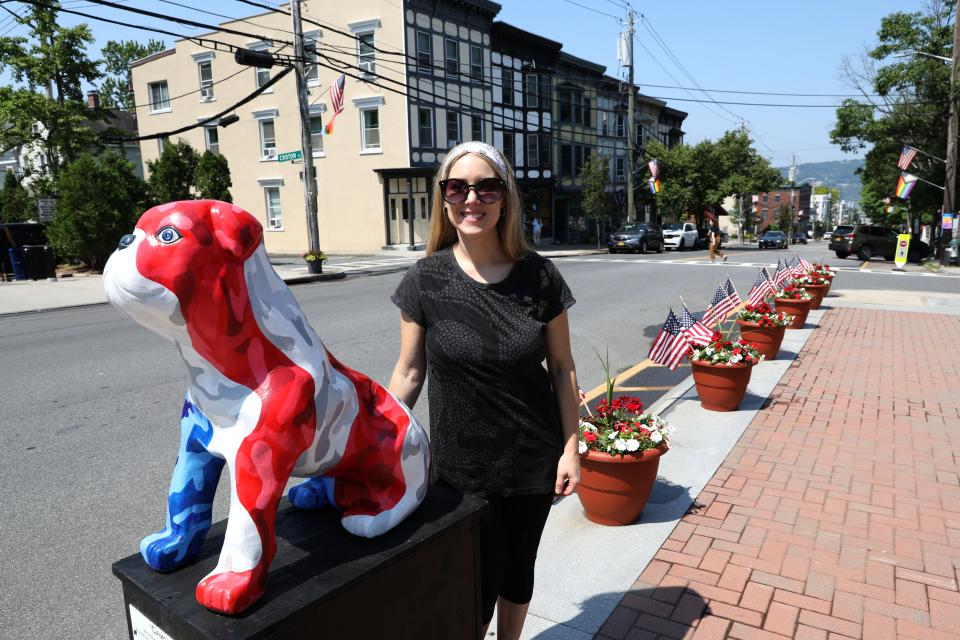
[680,236]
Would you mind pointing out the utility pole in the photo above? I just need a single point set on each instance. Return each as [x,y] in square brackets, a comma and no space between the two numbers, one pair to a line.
[630,129]
[309,177]
[949,197]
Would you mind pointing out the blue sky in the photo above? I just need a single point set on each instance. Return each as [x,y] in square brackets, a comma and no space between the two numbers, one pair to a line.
[743,45]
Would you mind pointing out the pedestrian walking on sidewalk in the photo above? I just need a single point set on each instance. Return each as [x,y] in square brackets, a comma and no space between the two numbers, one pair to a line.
[715,239]
[478,315]
[537,229]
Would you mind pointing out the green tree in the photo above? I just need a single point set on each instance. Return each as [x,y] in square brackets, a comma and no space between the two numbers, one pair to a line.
[16,205]
[173,175]
[594,173]
[212,177]
[99,200]
[785,218]
[116,90]
[911,109]
[52,58]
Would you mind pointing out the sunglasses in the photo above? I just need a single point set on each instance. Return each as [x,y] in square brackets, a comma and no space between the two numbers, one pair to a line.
[489,190]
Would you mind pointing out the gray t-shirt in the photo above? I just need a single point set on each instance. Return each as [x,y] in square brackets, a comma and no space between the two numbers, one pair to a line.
[494,420]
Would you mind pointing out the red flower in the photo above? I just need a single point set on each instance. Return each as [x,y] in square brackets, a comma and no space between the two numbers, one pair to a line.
[589,436]
[737,351]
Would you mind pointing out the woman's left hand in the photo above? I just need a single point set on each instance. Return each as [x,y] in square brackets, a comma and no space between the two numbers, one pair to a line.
[568,474]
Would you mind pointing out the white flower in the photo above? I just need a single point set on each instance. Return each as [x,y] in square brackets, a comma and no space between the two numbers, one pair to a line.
[582,447]
[586,426]
[736,358]
[611,435]
[655,437]
[620,444]
[633,445]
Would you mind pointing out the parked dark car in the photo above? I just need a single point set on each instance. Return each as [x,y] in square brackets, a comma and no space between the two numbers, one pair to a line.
[868,240]
[636,236]
[773,240]
[799,238]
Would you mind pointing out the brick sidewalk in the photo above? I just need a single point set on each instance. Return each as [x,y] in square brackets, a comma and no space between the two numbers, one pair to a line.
[837,514]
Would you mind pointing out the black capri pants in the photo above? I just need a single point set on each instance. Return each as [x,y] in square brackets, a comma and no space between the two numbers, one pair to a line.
[510,533]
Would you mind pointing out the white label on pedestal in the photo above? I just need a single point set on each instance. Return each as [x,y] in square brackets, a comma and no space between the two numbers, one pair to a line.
[143,628]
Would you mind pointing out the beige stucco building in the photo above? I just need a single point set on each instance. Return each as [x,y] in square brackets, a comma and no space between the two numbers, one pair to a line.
[421,75]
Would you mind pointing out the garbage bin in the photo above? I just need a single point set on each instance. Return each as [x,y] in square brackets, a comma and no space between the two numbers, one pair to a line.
[38,263]
[15,255]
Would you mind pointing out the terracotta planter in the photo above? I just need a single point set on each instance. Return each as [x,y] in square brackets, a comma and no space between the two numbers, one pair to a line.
[720,387]
[767,338]
[797,308]
[818,291]
[613,489]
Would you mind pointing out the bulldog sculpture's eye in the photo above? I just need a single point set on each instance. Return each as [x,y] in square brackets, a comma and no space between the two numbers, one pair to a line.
[168,235]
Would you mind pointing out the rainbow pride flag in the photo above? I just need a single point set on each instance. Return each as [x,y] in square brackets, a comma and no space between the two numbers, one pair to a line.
[905,184]
[655,186]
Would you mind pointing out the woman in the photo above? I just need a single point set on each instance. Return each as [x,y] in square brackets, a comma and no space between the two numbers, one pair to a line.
[479,314]
[715,239]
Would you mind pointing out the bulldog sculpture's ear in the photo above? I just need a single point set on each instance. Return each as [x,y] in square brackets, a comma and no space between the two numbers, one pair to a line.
[237,232]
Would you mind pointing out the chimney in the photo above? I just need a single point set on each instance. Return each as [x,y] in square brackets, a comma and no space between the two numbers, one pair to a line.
[93,99]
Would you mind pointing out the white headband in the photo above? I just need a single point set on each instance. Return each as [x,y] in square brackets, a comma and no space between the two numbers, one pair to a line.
[474,146]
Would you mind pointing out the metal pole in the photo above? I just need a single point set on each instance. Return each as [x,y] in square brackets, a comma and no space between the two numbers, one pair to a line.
[951,177]
[309,177]
[630,128]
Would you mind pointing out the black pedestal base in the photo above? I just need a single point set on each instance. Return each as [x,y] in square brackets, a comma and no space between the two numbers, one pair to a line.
[419,580]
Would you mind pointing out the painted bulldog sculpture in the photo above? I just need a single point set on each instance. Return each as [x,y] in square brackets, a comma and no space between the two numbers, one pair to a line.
[264,397]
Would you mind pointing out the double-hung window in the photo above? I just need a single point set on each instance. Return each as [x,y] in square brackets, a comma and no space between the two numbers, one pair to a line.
[212,139]
[476,128]
[532,94]
[476,63]
[509,150]
[451,57]
[424,52]
[621,125]
[271,195]
[425,126]
[619,173]
[453,129]
[268,137]
[533,150]
[507,86]
[316,129]
[159,97]
[310,40]
[205,69]
[369,110]
[366,54]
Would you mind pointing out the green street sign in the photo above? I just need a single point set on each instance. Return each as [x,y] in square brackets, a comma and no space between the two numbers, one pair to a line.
[290,155]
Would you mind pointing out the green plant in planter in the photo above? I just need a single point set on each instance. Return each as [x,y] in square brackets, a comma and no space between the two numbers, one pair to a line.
[312,256]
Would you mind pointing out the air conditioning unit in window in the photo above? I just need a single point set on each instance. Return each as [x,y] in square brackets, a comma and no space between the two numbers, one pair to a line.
[206,94]
[367,67]
[269,153]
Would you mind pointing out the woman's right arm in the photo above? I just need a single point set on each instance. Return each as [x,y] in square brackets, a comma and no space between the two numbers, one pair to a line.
[411,368]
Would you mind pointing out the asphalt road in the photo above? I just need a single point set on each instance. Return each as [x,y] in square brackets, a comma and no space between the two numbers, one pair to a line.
[91,403]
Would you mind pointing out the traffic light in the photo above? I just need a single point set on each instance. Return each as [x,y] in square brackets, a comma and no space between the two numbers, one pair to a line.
[250,58]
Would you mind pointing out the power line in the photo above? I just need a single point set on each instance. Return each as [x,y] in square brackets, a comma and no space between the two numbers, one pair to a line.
[763,93]
[583,6]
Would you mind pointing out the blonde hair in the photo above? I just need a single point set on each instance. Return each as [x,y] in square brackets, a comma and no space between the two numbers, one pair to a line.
[442,232]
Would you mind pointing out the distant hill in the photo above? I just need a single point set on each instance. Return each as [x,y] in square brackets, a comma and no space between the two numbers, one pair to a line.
[840,174]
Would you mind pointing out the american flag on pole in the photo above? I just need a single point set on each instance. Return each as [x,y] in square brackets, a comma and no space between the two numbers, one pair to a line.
[906,157]
[806,265]
[782,275]
[732,292]
[796,269]
[720,307]
[697,333]
[654,167]
[671,343]
[762,287]
[336,100]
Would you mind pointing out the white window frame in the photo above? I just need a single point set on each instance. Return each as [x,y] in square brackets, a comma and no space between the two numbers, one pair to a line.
[506,85]
[206,86]
[473,128]
[269,184]
[316,111]
[162,142]
[260,45]
[619,169]
[363,105]
[312,71]
[424,66]
[261,117]
[475,75]
[455,72]
[164,99]
[535,147]
[206,139]
[366,62]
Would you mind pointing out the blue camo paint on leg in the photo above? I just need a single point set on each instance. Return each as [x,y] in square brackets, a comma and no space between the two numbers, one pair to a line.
[190,500]
[312,494]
